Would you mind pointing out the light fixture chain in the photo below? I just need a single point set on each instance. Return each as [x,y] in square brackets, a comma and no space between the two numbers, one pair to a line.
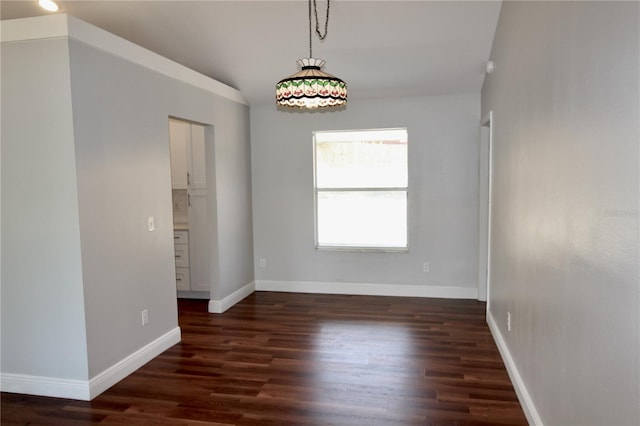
[326,24]
[326,21]
[310,33]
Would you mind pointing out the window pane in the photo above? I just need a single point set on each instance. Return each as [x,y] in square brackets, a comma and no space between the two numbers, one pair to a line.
[362,218]
[361,159]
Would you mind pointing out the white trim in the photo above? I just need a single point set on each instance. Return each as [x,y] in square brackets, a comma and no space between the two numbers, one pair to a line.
[34,28]
[220,306]
[490,120]
[62,25]
[524,397]
[88,389]
[401,290]
[45,386]
[128,365]
[332,136]
[487,121]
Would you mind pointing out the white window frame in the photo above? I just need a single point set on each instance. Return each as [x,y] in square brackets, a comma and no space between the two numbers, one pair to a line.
[316,190]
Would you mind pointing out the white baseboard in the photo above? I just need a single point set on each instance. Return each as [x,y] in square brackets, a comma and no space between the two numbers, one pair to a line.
[401,290]
[220,306]
[521,390]
[45,386]
[88,389]
[128,365]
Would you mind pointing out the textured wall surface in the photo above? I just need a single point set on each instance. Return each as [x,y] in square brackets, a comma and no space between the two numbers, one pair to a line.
[564,253]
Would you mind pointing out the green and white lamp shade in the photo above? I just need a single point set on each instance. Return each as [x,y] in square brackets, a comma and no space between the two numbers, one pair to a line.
[311,87]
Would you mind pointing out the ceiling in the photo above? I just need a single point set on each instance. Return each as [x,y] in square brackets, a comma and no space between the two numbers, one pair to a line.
[380,48]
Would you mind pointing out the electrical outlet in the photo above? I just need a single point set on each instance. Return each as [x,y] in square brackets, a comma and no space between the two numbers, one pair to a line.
[425,266]
[262,262]
[508,321]
[145,317]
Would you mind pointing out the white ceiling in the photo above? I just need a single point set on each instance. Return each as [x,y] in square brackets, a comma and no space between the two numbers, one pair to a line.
[380,48]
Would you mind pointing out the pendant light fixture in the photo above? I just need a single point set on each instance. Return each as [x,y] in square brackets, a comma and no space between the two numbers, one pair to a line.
[311,87]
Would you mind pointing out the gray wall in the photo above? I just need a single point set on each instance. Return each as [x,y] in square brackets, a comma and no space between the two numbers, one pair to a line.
[443,152]
[565,205]
[234,207]
[120,134]
[42,315]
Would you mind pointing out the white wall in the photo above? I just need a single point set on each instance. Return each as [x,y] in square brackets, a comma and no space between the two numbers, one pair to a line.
[111,168]
[565,95]
[443,152]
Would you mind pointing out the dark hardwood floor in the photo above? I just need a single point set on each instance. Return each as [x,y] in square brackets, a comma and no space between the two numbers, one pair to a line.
[302,359]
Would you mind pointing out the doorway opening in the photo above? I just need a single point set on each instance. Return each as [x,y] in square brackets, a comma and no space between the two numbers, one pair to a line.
[190,199]
[484,209]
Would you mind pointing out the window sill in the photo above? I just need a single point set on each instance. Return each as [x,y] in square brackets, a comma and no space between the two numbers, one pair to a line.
[364,249]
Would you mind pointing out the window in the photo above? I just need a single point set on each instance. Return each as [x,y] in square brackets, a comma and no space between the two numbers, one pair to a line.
[361,184]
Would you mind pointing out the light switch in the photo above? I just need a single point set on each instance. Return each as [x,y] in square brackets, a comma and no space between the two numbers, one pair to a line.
[151,223]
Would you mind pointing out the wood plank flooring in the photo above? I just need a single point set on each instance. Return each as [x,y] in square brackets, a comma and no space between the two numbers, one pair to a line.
[302,359]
